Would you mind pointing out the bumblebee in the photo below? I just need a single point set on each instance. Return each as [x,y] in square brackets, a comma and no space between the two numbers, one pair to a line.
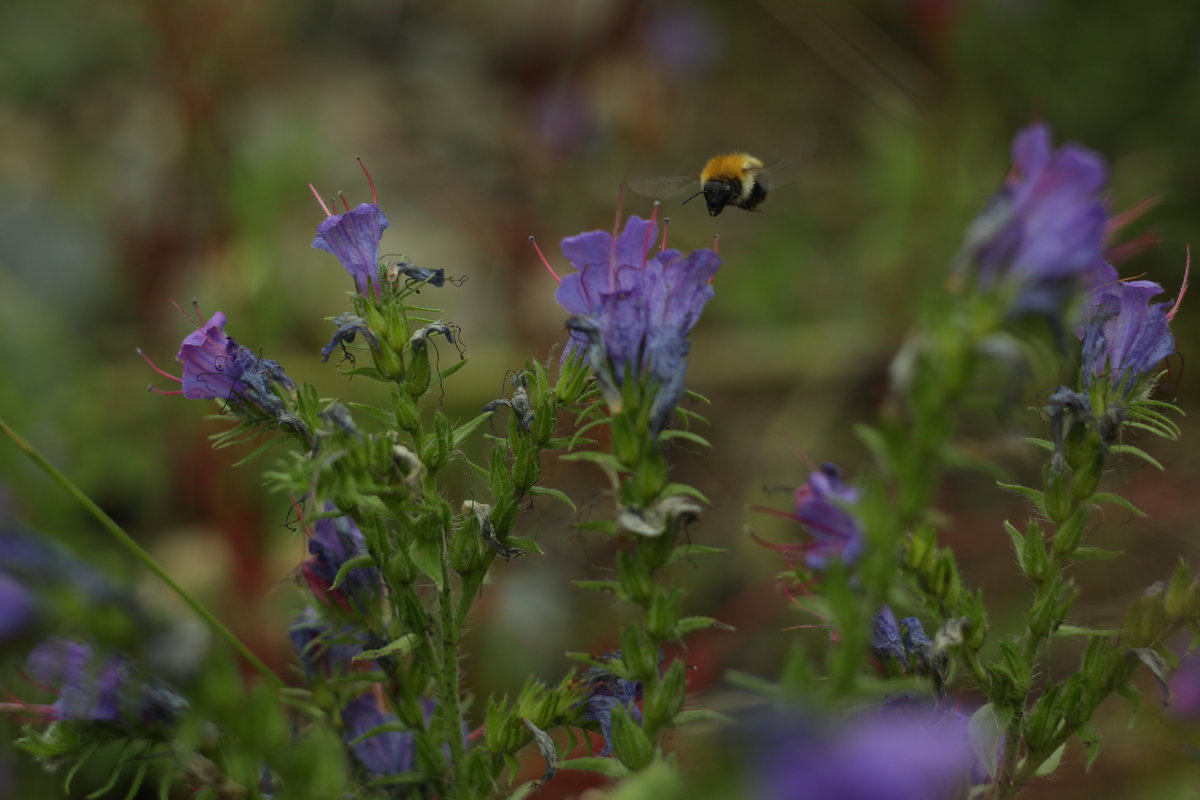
[737,179]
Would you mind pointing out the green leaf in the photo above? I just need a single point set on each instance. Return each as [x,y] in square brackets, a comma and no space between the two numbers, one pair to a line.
[985,729]
[1089,553]
[606,460]
[1074,630]
[1117,500]
[402,646]
[875,441]
[1018,543]
[1091,744]
[682,434]
[1128,449]
[601,525]
[427,557]
[683,488]
[753,683]
[528,545]
[467,428]
[684,551]
[1045,444]
[453,368]
[690,624]
[1032,495]
[274,441]
[363,560]
[1157,430]
[378,413]
[702,715]
[1049,766]
[608,767]
[546,491]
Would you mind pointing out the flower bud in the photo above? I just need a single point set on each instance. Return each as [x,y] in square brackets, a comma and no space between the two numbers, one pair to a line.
[630,742]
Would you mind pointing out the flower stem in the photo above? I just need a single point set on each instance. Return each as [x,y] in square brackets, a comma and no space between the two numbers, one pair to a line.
[139,553]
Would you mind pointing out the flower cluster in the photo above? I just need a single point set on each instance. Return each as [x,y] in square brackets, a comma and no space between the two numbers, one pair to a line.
[633,309]
[824,506]
[606,691]
[1044,230]
[1124,335]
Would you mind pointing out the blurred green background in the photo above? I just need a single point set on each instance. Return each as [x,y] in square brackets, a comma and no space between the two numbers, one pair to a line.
[152,151]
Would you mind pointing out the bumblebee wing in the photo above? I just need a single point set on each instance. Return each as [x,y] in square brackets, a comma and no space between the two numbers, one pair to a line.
[665,188]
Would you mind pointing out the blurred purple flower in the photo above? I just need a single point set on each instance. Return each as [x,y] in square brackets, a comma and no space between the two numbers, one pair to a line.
[821,507]
[323,650]
[904,755]
[1125,335]
[335,541]
[17,607]
[386,753]
[100,689]
[680,39]
[1045,228]
[1185,688]
[605,692]
[637,305]
[885,641]
[354,238]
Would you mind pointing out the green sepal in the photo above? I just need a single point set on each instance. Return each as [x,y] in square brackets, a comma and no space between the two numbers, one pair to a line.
[678,433]
[1117,500]
[1128,449]
[402,646]
[467,428]
[546,491]
[629,740]
[1037,498]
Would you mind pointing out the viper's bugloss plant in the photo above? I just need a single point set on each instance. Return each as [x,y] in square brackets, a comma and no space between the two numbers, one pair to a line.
[911,694]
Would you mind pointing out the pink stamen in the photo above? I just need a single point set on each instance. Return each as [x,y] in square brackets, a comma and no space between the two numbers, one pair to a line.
[198,322]
[1131,214]
[542,256]
[1183,287]
[477,734]
[666,224]
[156,368]
[156,390]
[620,209]
[370,182]
[716,243]
[317,195]
[344,201]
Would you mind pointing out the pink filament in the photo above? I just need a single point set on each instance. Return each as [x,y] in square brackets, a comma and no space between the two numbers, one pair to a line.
[370,182]
[317,195]
[542,256]
[1183,287]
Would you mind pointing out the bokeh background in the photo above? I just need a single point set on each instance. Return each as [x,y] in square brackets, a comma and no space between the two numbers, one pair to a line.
[160,150]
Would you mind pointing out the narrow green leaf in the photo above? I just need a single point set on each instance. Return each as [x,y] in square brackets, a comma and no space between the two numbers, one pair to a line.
[1074,630]
[1117,500]
[1089,553]
[528,545]
[453,368]
[402,646]
[467,428]
[688,550]
[1045,444]
[426,555]
[1018,543]
[383,416]
[606,460]
[1155,429]
[1032,495]
[363,560]
[683,488]
[702,715]
[677,433]
[274,441]
[1128,449]
[690,624]
[546,491]
[1050,765]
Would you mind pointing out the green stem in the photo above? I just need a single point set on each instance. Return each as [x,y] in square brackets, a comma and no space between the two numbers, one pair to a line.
[449,700]
[139,553]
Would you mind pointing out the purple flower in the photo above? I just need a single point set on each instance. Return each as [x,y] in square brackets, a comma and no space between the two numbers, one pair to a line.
[100,689]
[385,753]
[606,692]
[885,640]
[354,238]
[1124,334]
[821,507]
[637,305]
[1185,688]
[16,607]
[886,756]
[323,650]
[213,363]
[1045,228]
[336,541]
